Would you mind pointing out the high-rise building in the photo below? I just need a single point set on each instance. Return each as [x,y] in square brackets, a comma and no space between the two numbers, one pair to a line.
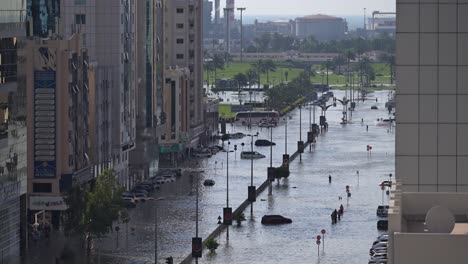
[207,17]
[183,42]
[428,206]
[13,132]
[150,67]
[112,49]
[58,90]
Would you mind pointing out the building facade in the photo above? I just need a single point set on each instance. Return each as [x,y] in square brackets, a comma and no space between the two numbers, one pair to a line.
[57,103]
[112,50]
[321,27]
[150,65]
[184,49]
[13,132]
[427,216]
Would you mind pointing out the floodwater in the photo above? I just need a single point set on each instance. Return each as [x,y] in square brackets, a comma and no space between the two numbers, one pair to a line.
[306,197]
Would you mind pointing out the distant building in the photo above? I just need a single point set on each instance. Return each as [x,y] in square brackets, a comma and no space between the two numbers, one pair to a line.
[383,24]
[322,27]
[207,18]
[283,27]
[231,4]
[321,57]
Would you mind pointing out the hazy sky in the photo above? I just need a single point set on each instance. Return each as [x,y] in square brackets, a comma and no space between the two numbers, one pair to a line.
[307,7]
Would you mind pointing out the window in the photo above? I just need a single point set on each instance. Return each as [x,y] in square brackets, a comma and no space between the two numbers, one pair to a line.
[80,19]
[180,56]
[42,187]
[180,41]
[180,10]
[180,25]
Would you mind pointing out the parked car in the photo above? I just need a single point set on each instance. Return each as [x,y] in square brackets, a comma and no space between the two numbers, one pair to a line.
[275,220]
[265,124]
[264,142]
[374,107]
[251,155]
[209,182]
[377,261]
[206,154]
[382,210]
[386,183]
[139,197]
[237,135]
[128,202]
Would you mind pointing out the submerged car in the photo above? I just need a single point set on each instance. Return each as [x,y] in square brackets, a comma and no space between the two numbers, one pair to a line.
[251,155]
[264,142]
[275,220]
[209,182]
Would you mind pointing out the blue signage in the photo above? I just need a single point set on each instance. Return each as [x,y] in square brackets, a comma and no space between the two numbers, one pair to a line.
[45,165]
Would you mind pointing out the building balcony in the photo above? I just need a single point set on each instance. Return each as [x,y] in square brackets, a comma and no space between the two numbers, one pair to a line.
[411,239]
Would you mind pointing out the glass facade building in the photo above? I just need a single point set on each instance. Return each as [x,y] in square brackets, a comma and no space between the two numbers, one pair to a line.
[12,130]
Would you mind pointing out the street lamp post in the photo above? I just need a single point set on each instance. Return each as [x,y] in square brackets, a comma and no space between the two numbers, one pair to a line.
[301,143]
[251,190]
[285,136]
[241,9]
[156,229]
[227,185]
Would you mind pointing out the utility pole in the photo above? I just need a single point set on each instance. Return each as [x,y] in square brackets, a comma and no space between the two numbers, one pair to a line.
[241,9]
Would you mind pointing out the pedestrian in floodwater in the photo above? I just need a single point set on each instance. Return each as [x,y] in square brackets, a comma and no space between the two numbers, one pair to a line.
[367,128]
[329,178]
[339,217]
[362,120]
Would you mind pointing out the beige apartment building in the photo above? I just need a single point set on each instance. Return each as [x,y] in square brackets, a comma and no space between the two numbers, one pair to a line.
[429,205]
[184,49]
[57,84]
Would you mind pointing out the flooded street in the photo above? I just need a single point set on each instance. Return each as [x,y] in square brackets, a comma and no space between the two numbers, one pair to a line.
[306,197]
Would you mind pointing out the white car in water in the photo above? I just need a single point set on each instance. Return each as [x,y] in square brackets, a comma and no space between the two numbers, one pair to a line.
[251,155]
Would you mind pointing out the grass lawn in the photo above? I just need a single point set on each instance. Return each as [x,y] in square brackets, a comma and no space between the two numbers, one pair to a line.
[279,74]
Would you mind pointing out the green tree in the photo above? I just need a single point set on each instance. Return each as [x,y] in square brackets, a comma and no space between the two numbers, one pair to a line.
[211,244]
[76,202]
[103,205]
[218,63]
[269,66]
[239,218]
[338,61]
[389,60]
[252,77]
[263,42]
[208,67]
[241,80]
[349,57]
[259,67]
[92,211]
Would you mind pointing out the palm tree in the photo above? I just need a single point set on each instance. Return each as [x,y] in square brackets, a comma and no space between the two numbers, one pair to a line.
[349,56]
[269,65]
[259,67]
[389,59]
[327,66]
[241,80]
[338,61]
[218,63]
[252,76]
[209,67]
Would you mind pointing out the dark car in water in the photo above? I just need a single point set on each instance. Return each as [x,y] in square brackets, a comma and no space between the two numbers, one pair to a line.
[275,220]
[264,142]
